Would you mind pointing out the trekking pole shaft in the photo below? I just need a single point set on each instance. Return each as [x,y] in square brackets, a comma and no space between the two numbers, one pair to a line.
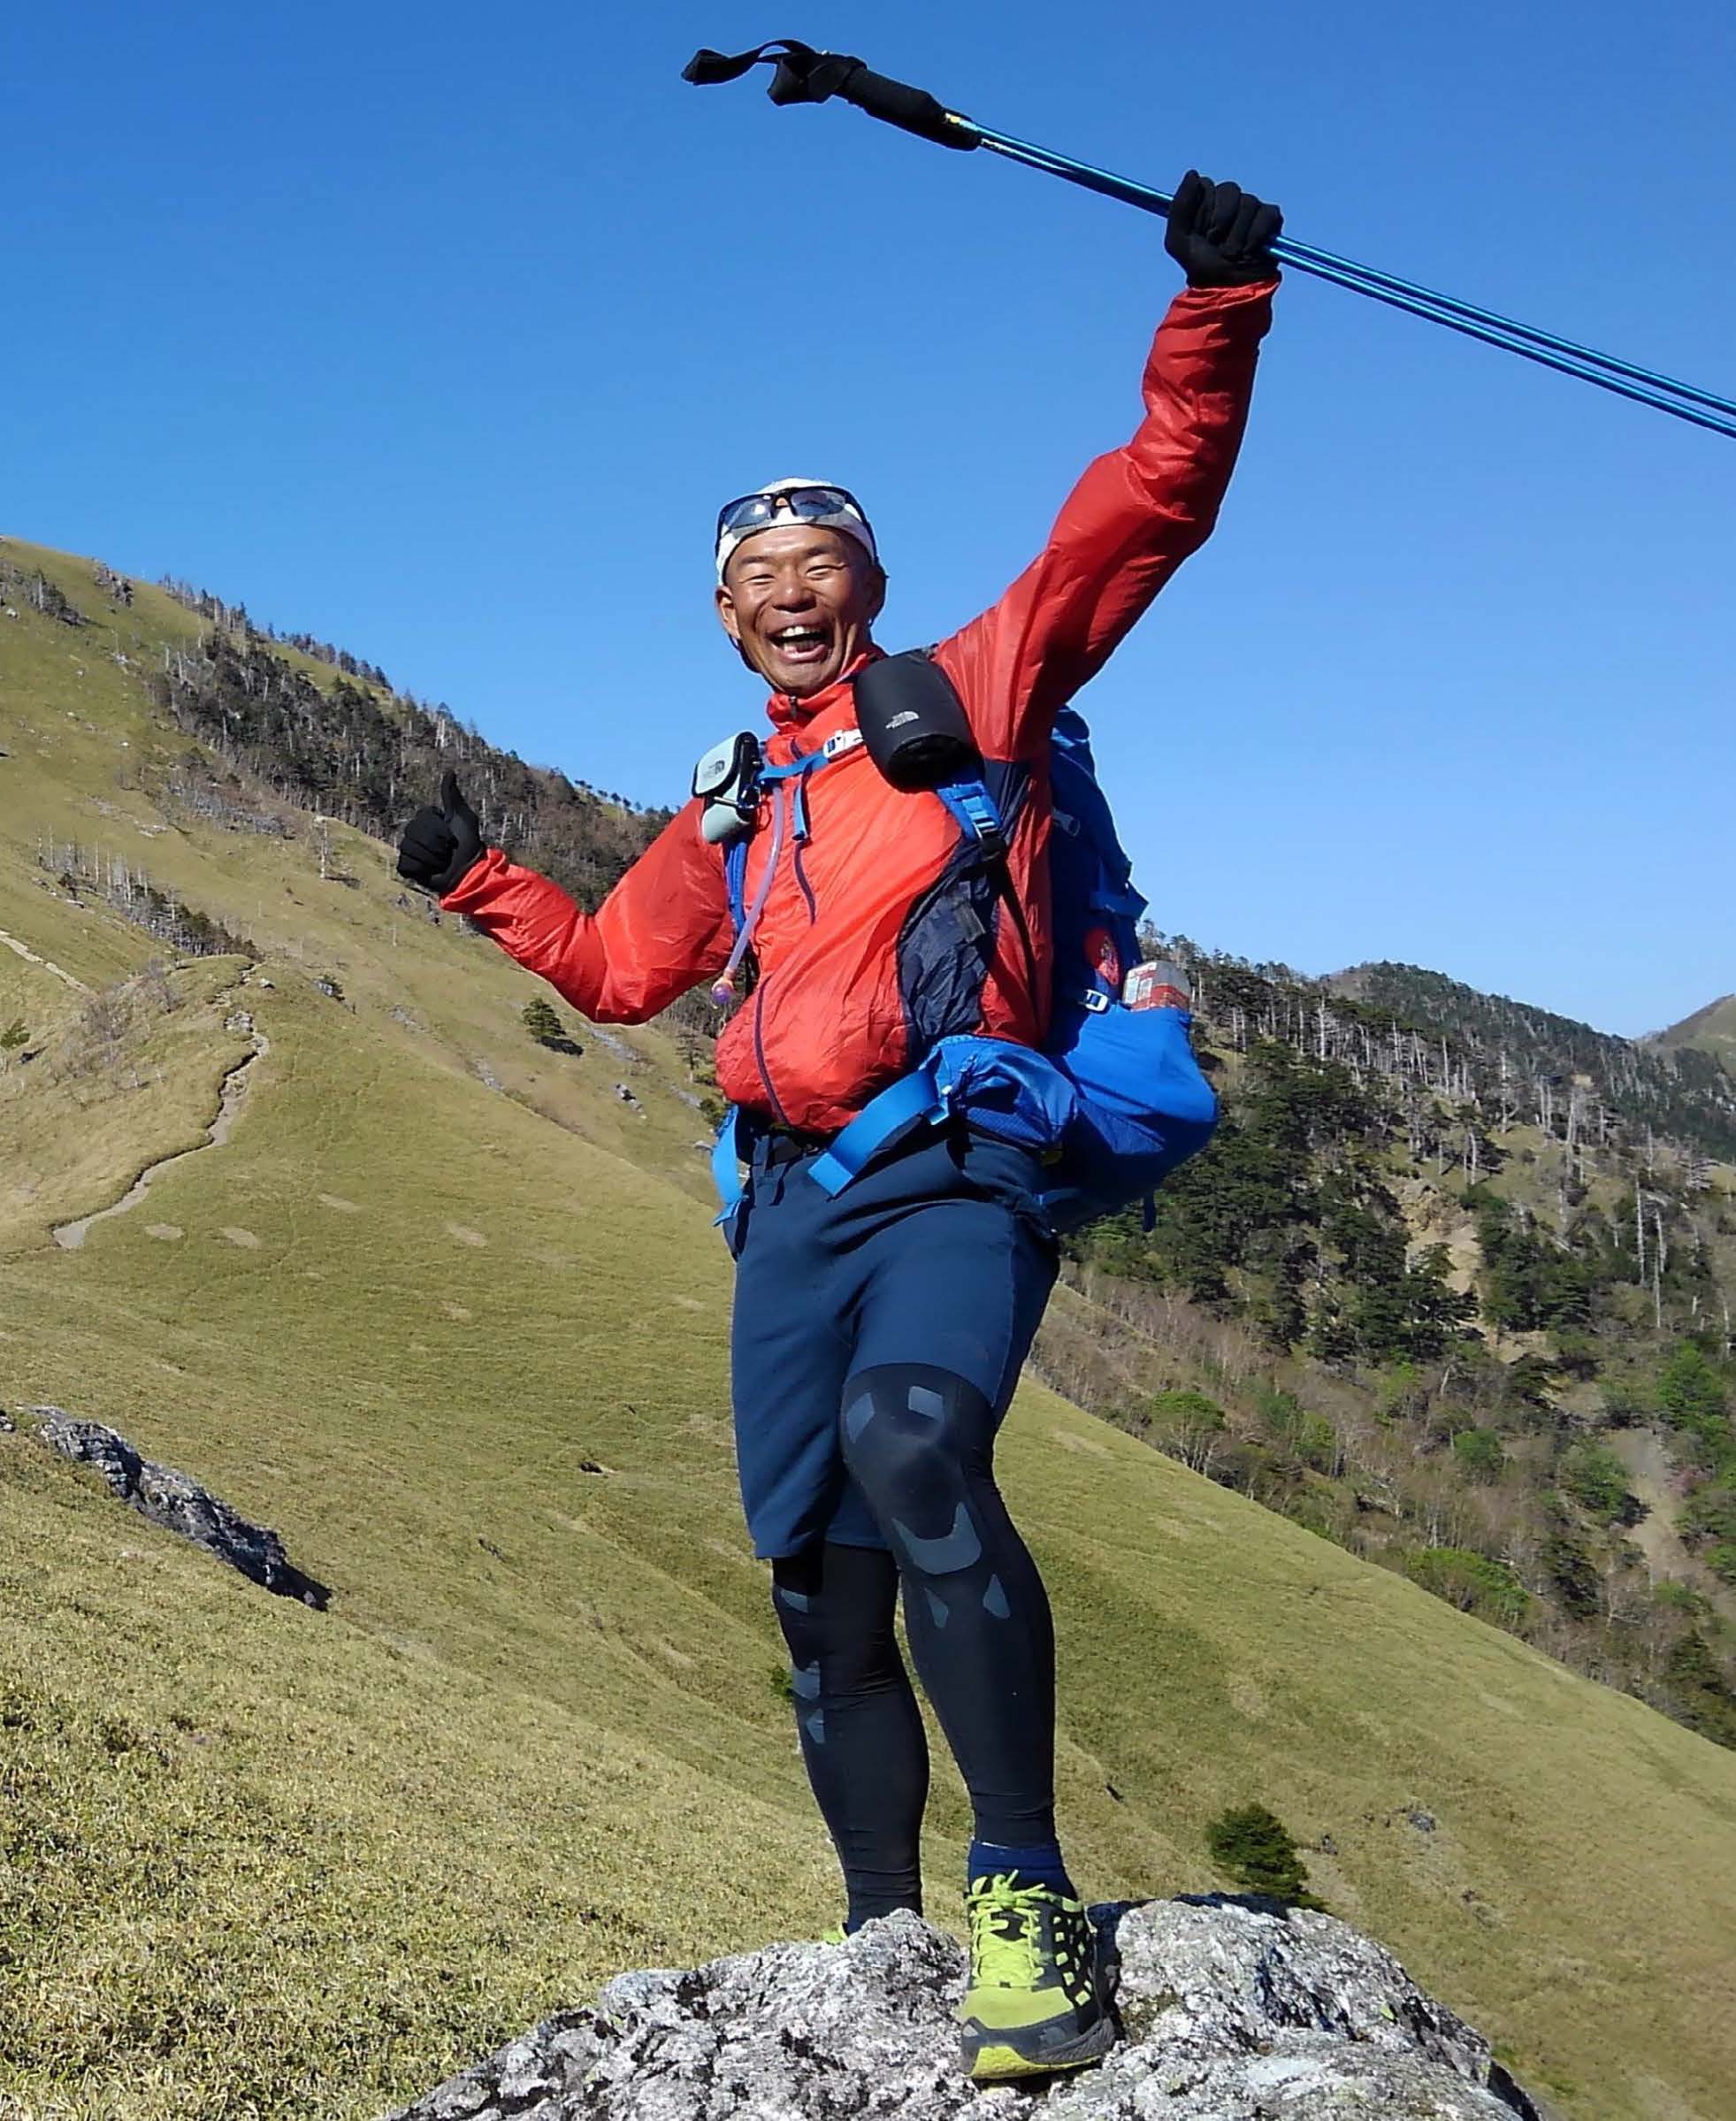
[1561,363]
[1144,196]
[1626,379]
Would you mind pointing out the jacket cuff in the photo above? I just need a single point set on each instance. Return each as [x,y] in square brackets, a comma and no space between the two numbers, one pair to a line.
[1229,298]
[475,886]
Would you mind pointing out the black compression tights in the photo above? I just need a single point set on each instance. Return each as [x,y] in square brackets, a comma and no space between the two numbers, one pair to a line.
[920,1442]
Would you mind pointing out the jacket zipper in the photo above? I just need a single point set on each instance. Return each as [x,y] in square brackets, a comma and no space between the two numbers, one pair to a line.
[801,875]
[807,889]
[759,1056]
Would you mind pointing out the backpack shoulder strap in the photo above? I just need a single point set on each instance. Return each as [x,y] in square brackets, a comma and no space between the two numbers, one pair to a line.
[977,814]
[979,819]
[735,879]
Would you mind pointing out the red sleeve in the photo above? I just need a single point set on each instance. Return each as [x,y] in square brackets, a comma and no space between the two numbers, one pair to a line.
[662,928]
[1127,526]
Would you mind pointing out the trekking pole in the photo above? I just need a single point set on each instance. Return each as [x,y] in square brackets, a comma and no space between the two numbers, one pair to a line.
[802,75]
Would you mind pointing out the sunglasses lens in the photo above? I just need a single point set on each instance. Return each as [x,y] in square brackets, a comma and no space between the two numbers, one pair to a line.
[823,500]
[745,513]
[801,504]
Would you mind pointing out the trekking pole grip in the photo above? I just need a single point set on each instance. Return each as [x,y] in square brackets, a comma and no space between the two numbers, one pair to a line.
[911,109]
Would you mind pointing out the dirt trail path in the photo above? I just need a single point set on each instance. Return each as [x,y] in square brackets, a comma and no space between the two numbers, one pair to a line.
[47,963]
[231,1093]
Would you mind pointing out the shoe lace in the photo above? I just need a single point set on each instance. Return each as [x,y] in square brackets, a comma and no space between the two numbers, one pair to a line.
[1006,1932]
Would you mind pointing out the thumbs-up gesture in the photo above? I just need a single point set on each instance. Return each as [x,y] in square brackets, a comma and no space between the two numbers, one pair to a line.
[441,845]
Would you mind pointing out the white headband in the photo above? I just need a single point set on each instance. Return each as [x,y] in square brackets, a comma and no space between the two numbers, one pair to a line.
[851,521]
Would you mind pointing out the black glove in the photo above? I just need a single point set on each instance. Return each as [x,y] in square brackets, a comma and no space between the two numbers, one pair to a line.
[1220,235]
[440,846]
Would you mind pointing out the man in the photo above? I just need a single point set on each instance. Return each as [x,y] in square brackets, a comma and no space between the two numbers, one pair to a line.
[878,1335]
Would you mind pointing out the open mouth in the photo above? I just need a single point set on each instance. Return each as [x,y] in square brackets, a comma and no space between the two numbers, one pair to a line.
[802,645]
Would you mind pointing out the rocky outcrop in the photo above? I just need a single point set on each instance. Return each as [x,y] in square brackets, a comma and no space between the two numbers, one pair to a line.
[178,1504]
[1231,2011]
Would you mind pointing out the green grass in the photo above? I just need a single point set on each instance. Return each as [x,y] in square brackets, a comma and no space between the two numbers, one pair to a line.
[1712,1028]
[264,1862]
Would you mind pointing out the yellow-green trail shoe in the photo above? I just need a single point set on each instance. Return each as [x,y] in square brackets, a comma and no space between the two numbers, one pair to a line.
[1038,1998]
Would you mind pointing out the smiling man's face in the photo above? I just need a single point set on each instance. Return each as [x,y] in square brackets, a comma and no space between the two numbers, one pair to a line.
[799,601]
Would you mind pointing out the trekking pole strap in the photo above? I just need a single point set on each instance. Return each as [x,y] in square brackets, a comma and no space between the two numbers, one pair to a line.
[802,75]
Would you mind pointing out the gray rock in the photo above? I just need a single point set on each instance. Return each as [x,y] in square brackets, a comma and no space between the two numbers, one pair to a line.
[178,1504]
[1231,2011]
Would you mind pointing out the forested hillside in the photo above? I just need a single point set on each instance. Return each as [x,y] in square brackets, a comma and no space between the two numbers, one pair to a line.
[357,751]
[1521,1060]
[1453,1287]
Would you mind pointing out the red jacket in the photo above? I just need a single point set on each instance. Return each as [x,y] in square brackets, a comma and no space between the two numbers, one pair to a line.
[863,946]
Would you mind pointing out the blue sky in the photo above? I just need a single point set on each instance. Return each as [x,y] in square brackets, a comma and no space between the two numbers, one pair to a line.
[442,331]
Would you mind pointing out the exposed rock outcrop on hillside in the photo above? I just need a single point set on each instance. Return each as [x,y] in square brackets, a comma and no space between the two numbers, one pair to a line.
[178,1504]
[1231,2012]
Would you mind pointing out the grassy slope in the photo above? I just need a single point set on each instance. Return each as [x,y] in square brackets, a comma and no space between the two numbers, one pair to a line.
[1713,1029]
[263,1861]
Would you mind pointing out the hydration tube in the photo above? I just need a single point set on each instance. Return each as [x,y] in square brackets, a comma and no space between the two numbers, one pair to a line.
[803,75]
[724,992]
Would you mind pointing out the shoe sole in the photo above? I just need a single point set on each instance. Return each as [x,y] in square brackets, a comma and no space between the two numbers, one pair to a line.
[1000,2061]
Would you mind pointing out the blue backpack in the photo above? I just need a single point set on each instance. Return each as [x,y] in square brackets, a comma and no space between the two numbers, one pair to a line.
[1115,1100]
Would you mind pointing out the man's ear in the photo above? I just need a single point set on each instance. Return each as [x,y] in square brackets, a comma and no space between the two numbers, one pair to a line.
[732,625]
[878,592]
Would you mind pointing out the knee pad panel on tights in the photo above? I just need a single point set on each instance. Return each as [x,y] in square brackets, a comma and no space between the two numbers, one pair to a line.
[916,1440]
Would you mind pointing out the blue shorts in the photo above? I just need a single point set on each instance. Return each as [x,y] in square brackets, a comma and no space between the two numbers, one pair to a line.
[938,1254]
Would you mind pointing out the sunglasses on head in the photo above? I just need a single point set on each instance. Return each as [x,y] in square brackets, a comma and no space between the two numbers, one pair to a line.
[801,504]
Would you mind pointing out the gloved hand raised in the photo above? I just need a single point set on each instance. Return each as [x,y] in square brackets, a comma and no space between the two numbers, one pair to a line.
[1219,234]
[440,846]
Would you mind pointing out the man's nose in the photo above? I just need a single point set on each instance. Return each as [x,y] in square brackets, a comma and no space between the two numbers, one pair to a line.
[793,593]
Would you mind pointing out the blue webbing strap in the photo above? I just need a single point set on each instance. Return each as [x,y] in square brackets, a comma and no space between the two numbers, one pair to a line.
[904,1104]
[726,1161]
[972,805]
[735,878]
[805,764]
[734,856]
